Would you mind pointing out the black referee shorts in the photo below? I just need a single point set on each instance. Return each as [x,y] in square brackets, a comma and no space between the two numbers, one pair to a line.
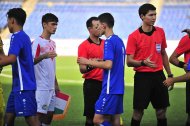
[148,87]
[91,90]
[188,97]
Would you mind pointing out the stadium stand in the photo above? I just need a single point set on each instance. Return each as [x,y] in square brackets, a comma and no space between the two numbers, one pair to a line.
[74,17]
[4,7]
[71,1]
[176,1]
[174,16]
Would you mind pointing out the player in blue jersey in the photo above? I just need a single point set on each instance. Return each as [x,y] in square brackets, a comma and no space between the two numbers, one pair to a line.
[109,106]
[22,100]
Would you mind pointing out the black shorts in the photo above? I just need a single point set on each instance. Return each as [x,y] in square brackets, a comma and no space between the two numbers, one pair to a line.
[148,87]
[91,90]
[188,97]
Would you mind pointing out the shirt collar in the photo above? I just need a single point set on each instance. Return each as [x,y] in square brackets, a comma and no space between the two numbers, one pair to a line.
[90,41]
[147,33]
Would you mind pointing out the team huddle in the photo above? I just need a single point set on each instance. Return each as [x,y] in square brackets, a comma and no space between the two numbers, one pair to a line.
[102,63]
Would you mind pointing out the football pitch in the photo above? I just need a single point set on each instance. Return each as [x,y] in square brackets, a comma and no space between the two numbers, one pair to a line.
[70,81]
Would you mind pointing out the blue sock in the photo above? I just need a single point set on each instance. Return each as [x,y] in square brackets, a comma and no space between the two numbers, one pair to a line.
[105,123]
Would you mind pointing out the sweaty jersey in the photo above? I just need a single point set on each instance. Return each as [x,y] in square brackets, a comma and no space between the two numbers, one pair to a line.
[45,69]
[88,49]
[113,79]
[184,48]
[142,46]
[23,68]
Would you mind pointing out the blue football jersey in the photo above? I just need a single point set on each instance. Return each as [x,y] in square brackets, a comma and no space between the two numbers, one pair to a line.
[188,65]
[23,68]
[113,79]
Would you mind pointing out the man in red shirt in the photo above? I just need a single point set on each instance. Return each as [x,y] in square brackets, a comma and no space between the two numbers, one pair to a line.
[183,48]
[92,48]
[146,53]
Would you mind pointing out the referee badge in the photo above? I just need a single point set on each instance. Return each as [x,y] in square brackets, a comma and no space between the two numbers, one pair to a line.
[158,48]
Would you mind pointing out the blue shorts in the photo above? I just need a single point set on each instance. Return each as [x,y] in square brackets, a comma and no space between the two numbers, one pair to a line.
[109,104]
[22,103]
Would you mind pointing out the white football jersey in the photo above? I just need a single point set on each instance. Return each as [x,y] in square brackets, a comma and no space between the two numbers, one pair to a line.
[45,69]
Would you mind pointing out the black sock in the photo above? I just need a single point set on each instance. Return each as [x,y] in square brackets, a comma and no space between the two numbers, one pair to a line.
[161,122]
[135,122]
[187,124]
[89,124]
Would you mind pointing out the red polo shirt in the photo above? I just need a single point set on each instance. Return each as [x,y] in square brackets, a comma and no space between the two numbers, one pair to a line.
[90,50]
[184,48]
[142,46]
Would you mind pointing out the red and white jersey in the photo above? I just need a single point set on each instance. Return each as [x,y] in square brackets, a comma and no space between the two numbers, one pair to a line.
[45,69]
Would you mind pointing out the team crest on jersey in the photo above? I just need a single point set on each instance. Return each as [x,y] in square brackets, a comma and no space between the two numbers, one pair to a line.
[44,107]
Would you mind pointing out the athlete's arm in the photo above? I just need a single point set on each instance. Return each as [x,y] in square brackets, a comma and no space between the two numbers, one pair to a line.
[82,68]
[87,68]
[176,62]
[134,63]
[6,60]
[44,56]
[167,67]
[131,62]
[171,81]
[107,64]
[165,61]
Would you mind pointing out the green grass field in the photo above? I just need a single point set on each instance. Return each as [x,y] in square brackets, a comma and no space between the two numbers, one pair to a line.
[70,81]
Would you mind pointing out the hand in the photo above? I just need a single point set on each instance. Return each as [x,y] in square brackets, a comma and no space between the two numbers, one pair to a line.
[150,63]
[187,31]
[82,60]
[50,55]
[168,82]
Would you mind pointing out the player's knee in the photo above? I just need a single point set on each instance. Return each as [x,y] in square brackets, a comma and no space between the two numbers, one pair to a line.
[137,114]
[161,113]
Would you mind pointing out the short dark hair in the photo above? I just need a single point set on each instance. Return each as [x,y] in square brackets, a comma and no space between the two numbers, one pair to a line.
[106,18]
[18,14]
[143,9]
[89,21]
[49,17]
